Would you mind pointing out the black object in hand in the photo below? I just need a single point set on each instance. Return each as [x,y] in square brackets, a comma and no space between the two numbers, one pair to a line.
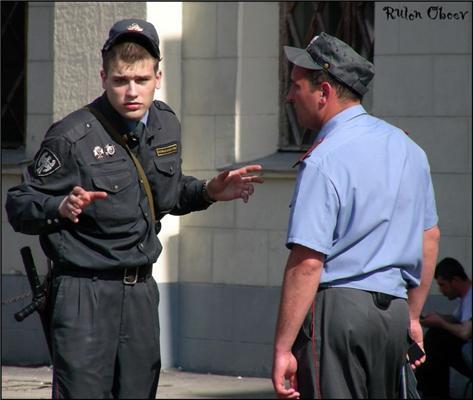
[414,353]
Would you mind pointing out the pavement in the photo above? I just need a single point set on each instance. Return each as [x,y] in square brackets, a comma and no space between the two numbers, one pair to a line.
[35,383]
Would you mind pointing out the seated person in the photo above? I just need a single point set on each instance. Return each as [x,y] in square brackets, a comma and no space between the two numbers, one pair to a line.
[449,336]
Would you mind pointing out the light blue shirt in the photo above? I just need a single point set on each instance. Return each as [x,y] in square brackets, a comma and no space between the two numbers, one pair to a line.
[463,311]
[364,198]
[132,124]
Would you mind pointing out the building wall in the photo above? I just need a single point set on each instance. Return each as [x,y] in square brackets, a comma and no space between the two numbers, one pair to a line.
[232,255]
[423,84]
[221,269]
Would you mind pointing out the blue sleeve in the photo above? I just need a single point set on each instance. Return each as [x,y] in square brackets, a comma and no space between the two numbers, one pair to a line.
[314,209]
[430,215]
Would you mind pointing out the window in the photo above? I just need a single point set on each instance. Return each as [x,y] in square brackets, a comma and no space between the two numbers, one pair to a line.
[300,21]
[13,73]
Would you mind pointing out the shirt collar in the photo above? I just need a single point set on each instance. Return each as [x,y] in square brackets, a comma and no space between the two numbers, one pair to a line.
[132,124]
[343,116]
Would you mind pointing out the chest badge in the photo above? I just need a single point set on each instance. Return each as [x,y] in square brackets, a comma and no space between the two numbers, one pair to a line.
[109,149]
[166,150]
[47,163]
[98,152]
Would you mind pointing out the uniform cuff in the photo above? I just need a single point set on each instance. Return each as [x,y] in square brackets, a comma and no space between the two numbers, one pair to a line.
[51,210]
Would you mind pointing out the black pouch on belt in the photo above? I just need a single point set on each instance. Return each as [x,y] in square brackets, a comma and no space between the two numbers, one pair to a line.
[382,300]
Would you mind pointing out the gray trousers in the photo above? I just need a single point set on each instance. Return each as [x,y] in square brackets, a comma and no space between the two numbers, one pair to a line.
[358,348]
[105,338]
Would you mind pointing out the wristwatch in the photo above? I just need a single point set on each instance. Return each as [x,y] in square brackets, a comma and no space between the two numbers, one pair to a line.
[205,193]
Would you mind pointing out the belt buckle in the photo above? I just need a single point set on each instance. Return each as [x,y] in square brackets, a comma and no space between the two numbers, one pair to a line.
[130,279]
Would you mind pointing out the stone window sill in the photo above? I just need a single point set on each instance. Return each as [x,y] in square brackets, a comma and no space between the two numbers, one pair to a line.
[14,160]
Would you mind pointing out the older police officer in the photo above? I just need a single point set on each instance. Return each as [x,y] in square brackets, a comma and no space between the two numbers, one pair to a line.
[102,180]
[363,237]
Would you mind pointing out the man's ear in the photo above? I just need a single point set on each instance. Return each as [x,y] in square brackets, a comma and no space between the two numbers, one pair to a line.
[159,76]
[103,76]
[326,90]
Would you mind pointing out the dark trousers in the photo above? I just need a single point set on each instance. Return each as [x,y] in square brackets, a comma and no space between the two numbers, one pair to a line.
[105,338]
[358,348]
[443,351]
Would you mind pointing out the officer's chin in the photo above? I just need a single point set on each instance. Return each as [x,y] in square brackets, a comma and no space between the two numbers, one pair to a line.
[133,115]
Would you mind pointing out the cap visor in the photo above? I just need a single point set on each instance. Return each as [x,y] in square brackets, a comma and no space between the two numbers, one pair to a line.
[300,57]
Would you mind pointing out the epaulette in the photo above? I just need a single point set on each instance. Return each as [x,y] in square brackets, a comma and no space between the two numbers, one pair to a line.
[163,106]
[74,126]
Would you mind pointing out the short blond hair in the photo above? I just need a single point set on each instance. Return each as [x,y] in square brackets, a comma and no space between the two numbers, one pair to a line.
[129,52]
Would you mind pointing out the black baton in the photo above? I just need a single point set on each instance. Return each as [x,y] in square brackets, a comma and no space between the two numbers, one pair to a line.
[39,301]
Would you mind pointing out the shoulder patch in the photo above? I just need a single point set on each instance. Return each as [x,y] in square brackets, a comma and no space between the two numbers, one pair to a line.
[46,163]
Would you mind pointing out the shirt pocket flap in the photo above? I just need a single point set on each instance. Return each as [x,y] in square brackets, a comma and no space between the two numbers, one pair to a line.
[167,167]
[112,183]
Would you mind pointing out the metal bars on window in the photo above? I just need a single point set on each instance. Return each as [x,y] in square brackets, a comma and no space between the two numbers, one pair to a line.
[300,21]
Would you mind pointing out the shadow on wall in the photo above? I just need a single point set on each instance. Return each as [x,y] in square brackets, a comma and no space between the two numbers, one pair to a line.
[169,303]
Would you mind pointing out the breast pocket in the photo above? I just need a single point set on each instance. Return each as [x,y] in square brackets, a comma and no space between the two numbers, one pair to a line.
[122,203]
[166,167]
[112,183]
[165,183]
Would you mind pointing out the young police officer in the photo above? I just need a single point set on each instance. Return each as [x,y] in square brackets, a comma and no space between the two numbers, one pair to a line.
[98,217]
[362,234]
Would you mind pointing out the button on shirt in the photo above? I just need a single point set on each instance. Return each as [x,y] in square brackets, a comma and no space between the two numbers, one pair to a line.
[364,197]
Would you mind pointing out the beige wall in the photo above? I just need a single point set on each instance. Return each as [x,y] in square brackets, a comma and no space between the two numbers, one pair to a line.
[80,30]
[230,114]
[423,85]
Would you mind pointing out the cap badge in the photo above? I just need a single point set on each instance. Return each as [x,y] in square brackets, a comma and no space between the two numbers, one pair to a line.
[134,27]
[98,152]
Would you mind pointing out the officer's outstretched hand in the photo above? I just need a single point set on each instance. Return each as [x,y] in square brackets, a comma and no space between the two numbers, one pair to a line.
[230,185]
[76,201]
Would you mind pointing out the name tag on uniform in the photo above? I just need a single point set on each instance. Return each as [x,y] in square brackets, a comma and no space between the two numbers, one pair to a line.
[166,150]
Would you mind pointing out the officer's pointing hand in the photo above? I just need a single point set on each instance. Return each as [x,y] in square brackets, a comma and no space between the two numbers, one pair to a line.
[76,201]
[230,185]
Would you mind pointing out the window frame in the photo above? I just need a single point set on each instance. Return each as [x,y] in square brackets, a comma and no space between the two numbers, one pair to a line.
[352,22]
[14,90]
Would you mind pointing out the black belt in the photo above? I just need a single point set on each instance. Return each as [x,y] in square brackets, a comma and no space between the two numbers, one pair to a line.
[382,300]
[129,276]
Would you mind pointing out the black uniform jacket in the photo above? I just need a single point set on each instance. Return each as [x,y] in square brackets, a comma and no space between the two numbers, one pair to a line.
[116,231]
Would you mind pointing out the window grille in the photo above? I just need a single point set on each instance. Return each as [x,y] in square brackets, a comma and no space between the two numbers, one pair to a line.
[13,73]
[300,21]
